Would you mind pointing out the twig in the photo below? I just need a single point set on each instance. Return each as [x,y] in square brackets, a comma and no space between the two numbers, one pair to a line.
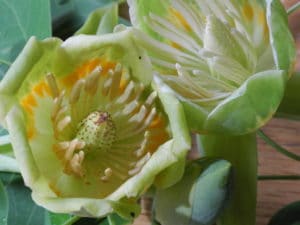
[277,146]
[293,8]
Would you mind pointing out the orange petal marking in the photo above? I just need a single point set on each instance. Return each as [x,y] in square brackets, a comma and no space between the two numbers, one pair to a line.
[263,22]
[28,102]
[175,45]
[86,69]
[41,88]
[157,138]
[55,190]
[248,11]
[182,21]
[30,131]
[157,123]
[123,84]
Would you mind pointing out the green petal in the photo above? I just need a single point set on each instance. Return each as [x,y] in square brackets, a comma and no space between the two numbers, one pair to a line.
[245,110]
[87,207]
[101,21]
[138,9]
[30,65]
[181,137]
[16,125]
[250,106]
[283,45]
[289,106]
[118,46]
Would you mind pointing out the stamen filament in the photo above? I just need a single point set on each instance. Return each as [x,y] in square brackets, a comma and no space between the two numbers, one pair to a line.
[52,84]
[76,91]
[116,78]
[62,124]
[91,81]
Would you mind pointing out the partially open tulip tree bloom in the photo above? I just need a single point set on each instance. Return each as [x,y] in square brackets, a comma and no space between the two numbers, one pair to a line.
[89,132]
[226,60]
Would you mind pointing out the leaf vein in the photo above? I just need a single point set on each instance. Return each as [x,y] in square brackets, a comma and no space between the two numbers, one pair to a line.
[17,19]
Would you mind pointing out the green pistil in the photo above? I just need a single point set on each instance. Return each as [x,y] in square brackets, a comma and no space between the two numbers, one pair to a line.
[97,131]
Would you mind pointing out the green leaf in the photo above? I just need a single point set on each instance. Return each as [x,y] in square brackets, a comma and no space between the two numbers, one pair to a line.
[57,219]
[288,215]
[7,178]
[2,131]
[290,107]
[22,210]
[87,221]
[19,21]
[114,219]
[4,65]
[4,205]
[203,191]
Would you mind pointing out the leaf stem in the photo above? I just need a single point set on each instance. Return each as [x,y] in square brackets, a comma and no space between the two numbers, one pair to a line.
[278,177]
[241,152]
[277,146]
[293,8]
[71,220]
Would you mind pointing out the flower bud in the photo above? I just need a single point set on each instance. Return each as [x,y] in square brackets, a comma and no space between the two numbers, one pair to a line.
[224,60]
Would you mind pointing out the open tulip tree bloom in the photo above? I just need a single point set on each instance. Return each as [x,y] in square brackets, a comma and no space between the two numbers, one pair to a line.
[226,60]
[89,132]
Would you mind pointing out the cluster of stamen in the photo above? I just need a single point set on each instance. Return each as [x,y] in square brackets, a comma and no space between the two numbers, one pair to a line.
[102,126]
[205,73]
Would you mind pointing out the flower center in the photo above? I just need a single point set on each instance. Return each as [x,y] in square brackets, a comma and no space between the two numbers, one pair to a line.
[97,131]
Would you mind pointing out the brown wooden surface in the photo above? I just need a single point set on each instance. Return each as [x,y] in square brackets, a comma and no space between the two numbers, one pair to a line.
[272,195]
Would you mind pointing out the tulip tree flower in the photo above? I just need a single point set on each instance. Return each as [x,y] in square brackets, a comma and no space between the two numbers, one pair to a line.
[226,60]
[89,132]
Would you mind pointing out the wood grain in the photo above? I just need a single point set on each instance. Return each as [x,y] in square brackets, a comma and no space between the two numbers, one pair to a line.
[272,195]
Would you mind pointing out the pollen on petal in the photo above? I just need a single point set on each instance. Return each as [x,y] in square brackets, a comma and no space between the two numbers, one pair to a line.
[123,85]
[31,131]
[181,20]
[157,122]
[263,23]
[28,102]
[175,45]
[85,69]
[248,11]
[41,89]
[55,190]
